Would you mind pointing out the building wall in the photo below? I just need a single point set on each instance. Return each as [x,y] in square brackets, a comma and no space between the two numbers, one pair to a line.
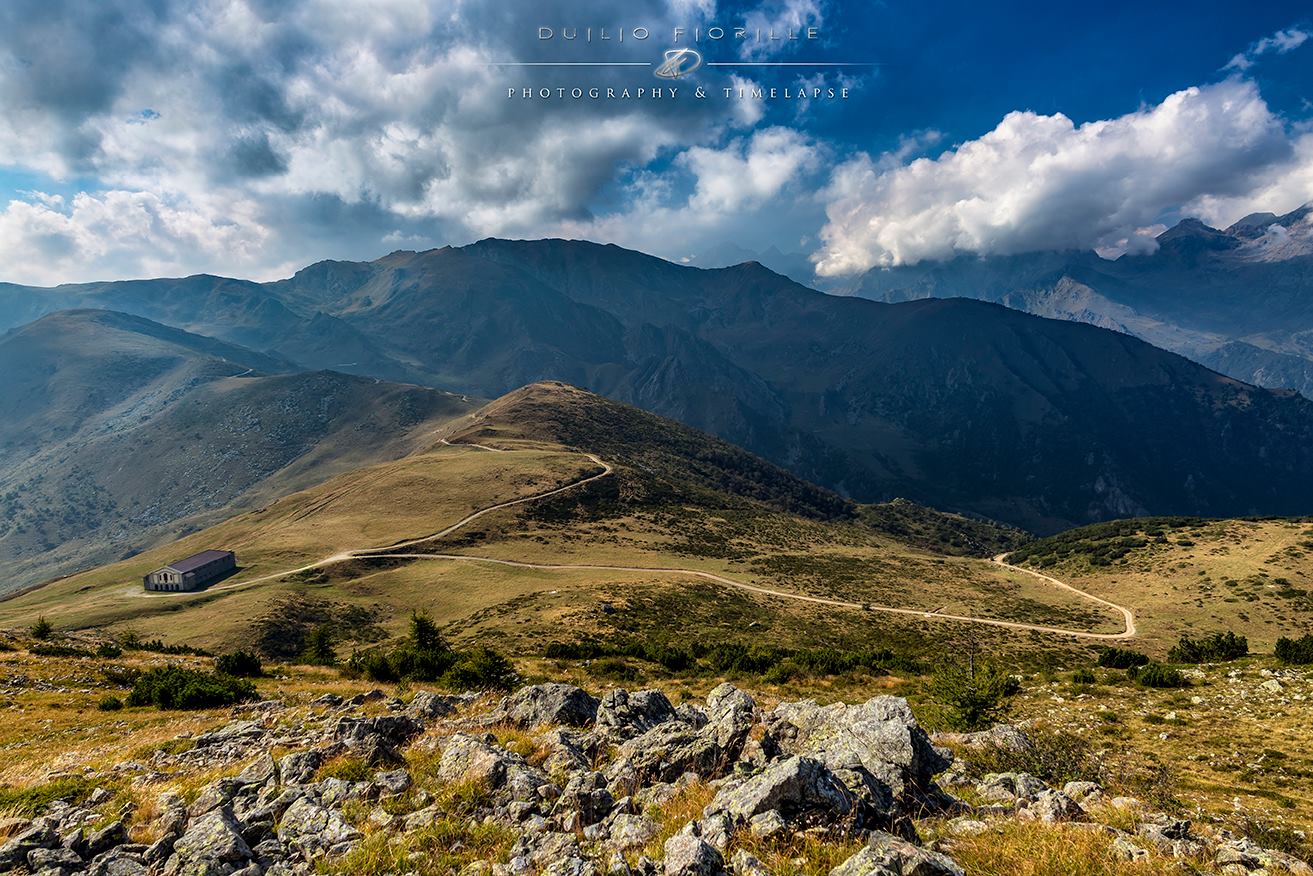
[165,581]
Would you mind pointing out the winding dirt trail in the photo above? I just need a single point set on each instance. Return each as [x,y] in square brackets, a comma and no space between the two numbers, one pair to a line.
[396,551]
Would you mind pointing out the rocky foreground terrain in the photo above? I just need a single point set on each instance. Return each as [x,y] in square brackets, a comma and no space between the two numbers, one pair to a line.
[552,780]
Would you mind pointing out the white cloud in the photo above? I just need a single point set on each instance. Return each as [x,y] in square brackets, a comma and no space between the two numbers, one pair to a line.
[1042,182]
[780,18]
[746,173]
[124,234]
[1278,44]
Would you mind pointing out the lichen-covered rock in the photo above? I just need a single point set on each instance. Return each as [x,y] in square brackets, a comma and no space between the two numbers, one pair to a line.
[887,855]
[623,715]
[299,767]
[1009,787]
[470,759]
[877,748]
[546,704]
[215,836]
[730,714]
[795,787]
[311,828]
[1052,807]
[688,855]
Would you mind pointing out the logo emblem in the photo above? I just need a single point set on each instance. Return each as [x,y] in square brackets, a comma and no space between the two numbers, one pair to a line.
[679,62]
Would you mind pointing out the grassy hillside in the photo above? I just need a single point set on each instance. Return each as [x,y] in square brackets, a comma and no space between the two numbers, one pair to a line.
[671,535]
[1190,575]
[121,433]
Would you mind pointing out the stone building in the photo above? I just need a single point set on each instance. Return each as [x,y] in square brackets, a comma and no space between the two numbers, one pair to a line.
[192,573]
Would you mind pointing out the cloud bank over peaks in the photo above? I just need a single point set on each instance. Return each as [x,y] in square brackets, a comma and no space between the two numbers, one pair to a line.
[1043,182]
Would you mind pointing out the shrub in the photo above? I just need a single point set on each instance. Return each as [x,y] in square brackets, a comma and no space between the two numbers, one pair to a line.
[173,687]
[108,651]
[426,656]
[974,694]
[1212,649]
[319,649]
[1083,676]
[1295,650]
[42,629]
[481,669]
[109,703]
[121,676]
[1121,658]
[1056,756]
[1157,675]
[240,664]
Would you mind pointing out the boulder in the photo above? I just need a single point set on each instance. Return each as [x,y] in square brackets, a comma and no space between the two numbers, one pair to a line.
[1010,787]
[1052,807]
[795,787]
[470,759]
[623,715]
[877,748]
[546,704]
[688,855]
[631,831]
[730,713]
[311,828]
[887,855]
[299,767]
[427,705]
[215,836]
[392,782]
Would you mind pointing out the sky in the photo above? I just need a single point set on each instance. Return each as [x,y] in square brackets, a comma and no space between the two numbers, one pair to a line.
[253,137]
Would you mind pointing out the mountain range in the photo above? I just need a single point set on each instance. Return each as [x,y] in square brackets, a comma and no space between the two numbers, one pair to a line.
[1239,300]
[959,404]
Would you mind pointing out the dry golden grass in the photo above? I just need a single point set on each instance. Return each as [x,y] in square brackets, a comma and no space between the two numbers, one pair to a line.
[1021,848]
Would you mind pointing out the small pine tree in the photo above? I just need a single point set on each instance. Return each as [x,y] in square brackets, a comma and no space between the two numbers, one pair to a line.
[42,628]
[319,648]
[425,635]
[975,693]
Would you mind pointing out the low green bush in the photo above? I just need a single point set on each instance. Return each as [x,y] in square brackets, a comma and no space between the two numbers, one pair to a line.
[1157,675]
[42,629]
[32,801]
[109,703]
[1217,648]
[239,664]
[108,651]
[1298,651]
[1083,676]
[1121,658]
[426,656]
[174,687]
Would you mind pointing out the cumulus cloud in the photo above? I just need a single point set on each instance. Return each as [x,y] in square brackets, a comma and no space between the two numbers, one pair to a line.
[390,112]
[1277,44]
[779,17]
[1040,182]
[45,240]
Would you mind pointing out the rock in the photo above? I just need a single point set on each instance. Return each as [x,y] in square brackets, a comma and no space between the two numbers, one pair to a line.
[469,759]
[1126,850]
[261,771]
[311,827]
[887,855]
[59,860]
[1010,787]
[1005,736]
[688,855]
[622,715]
[667,752]
[392,782]
[587,795]
[546,704]
[299,767]
[964,826]
[877,748]
[767,824]
[746,864]
[730,714]
[631,831]
[395,730]
[1052,807]
[1084,793]
[215,836]
[794,787]
[14,853]
[109,836]
[430,705]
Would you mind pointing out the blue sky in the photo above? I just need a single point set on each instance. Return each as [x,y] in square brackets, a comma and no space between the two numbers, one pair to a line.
[252,137]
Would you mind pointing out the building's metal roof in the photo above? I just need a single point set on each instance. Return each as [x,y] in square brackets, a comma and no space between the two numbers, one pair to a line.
[195,561]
